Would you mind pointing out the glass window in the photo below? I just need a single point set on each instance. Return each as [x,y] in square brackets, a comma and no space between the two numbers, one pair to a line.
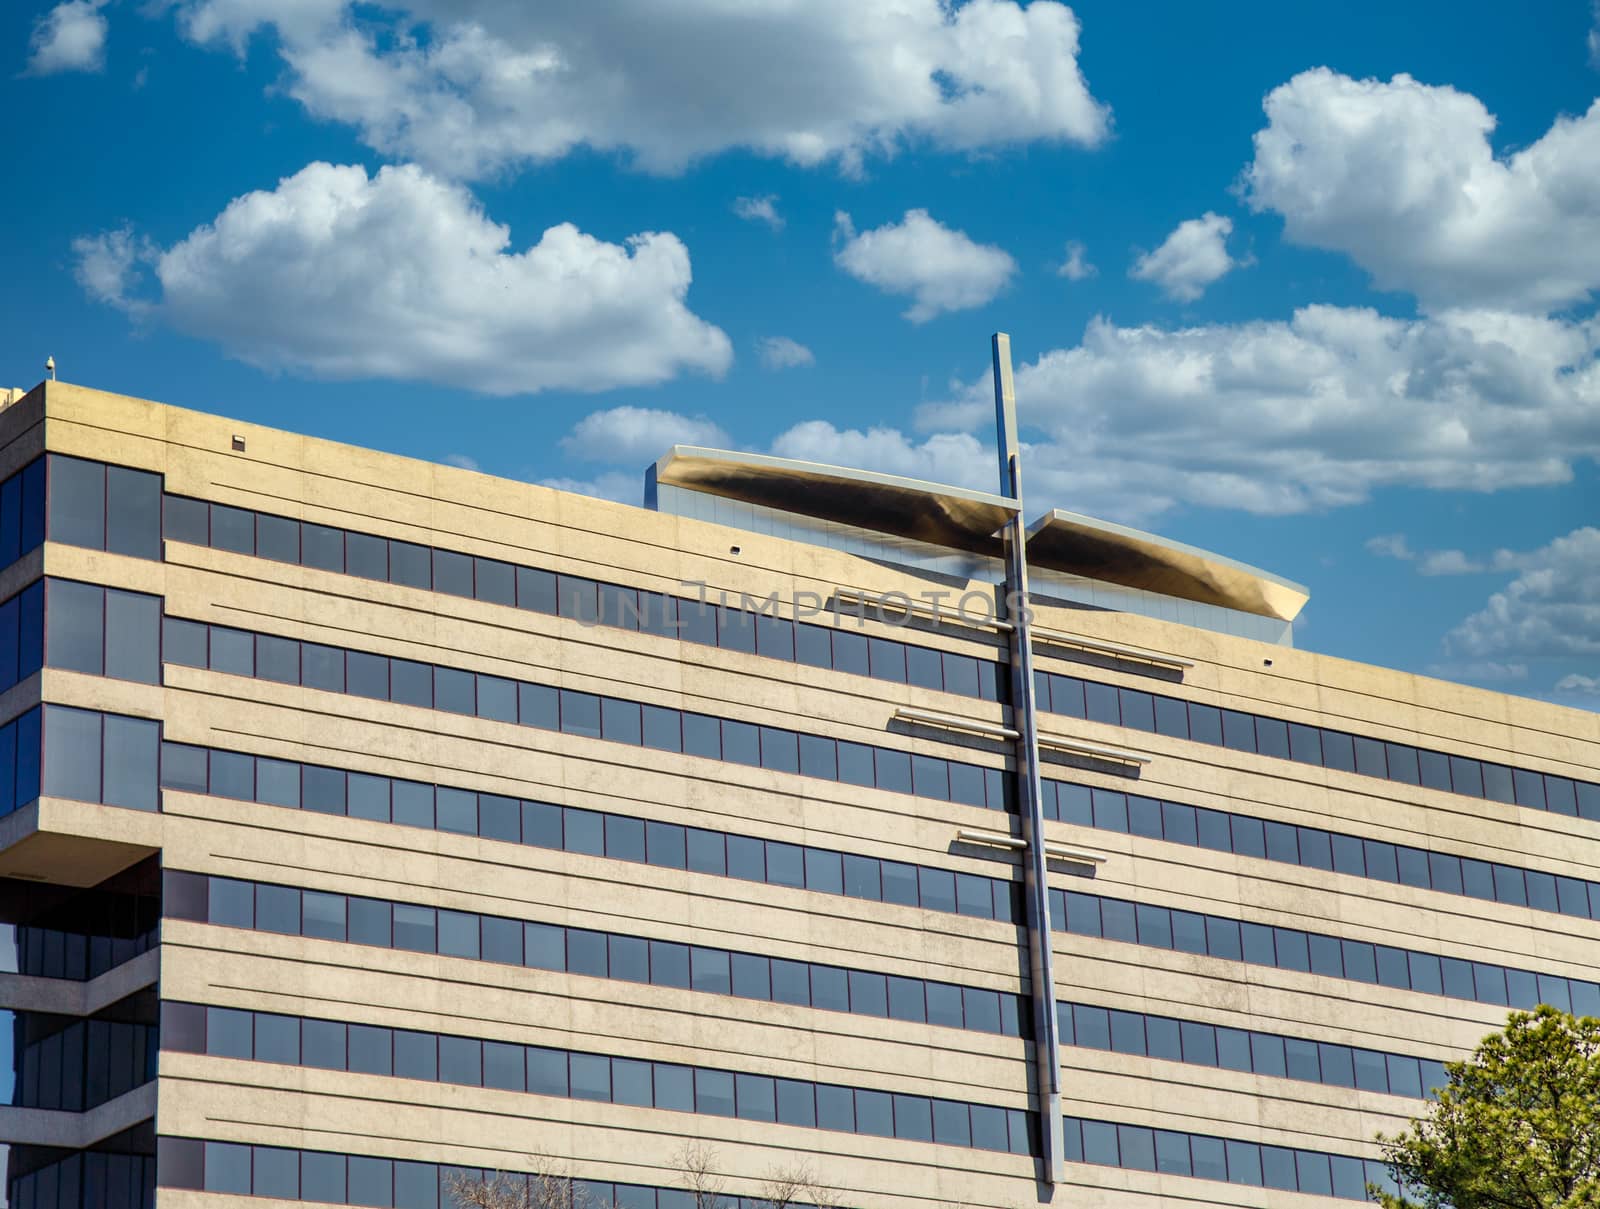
[830,989]
[454,691]
[75,626]
[132,756]
[1101,703]
[874,1113]
[1100,1144]
[416,1055]
[232,651]
[227,1168]
[835,1108]
[411,683]
[277,659]
[707,852]
[1066,695]
[747,858]
[752,977]
[71,754]
[185,520]
[774,637]
[461,1061]
[322,1177]
[669,964]
[785,864]
[322,1044]
[323,548]
[702,736]
[77,502]
[713,1093]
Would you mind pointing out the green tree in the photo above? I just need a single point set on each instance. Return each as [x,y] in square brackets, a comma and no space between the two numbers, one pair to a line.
[1517,1128]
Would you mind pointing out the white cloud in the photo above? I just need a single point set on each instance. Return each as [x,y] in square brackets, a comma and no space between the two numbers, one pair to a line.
[780,352]
[1575,682]
[470,87]
[1551,608]
[1594,38]
[403,276]
[1190,259]
[107,266]
[618,485]
[1391,545]
[462,461]
[1401,176]
[956,458]
[70,37]
[1480,670]
[1075,267]
[623,435]
[1449,562]
[759,209]
[1316,412]
[941,269]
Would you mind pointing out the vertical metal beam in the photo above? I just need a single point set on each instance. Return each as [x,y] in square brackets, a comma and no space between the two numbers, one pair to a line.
[1041,963]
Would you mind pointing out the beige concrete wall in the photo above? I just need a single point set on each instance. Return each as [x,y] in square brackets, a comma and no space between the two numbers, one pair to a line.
[332,484]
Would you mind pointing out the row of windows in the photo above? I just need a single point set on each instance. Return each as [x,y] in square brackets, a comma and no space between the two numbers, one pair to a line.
[20,752]
[22,635]
[590,832]
[332,549]
[406,682]
[1314,848]
[102,631]
[89,1179]
[84,1064]
[79,956]
[1156,714]
[507,1066]
[269,908]
[22,512]
[586,600]
[337,1179]
[1202,1044]
[1201,1157]
[94,757]
[104,507]
[1314,953]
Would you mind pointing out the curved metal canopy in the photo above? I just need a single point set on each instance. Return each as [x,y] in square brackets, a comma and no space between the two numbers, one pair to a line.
[956,518]
[952,517]
[1096,549]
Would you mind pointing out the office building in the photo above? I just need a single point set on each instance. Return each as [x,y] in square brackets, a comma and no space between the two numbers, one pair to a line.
[366,819]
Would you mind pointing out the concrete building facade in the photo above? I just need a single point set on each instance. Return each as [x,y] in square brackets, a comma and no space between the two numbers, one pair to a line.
[364,820]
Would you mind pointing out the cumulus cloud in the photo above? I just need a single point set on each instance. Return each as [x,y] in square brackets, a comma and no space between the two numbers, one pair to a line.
[780,352]
[1391,545]
[471,87]
[1552,608]
[1190,259]
[1075,267]
[1310,413]
[1401,177]
[621,486]
[759,209]
[107,266]
[402,276]
[70,37]
[939,268]
[957,458]
[623,435]
[1483,670]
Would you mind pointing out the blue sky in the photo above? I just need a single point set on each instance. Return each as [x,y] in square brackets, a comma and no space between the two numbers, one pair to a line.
[1331,310]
